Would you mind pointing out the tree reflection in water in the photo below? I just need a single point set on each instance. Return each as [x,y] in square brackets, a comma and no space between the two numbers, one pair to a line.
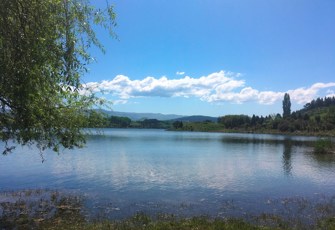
[287,161]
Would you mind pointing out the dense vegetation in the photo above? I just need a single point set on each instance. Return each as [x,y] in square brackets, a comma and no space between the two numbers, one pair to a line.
[44,50]
[324,146]
[318,116]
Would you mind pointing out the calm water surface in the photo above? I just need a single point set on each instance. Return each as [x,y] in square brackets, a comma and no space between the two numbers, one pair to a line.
[125,171]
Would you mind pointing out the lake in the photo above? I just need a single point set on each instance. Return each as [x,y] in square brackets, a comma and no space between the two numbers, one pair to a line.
[125,171]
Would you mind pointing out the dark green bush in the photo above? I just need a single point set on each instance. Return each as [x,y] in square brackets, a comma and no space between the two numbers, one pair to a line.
[323,146]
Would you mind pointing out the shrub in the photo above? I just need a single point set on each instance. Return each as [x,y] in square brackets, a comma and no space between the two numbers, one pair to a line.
[323,146]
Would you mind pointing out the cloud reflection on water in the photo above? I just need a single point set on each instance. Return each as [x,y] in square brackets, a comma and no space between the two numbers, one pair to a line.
[161,163]
[188,161]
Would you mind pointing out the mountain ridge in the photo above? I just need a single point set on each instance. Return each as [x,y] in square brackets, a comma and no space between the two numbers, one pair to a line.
[196,118]
[159,116]
[141,116]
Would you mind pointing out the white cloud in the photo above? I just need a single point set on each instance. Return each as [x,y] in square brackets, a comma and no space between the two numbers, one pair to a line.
[216,87]
[304,95]
[269,97]
[180,72]
[125,88]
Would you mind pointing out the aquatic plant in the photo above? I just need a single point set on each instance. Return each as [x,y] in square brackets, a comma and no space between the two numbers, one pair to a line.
[324,146]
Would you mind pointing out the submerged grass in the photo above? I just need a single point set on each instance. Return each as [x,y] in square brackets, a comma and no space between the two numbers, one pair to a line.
[43,209]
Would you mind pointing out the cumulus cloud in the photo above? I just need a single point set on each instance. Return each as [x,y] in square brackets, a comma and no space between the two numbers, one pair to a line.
[216,87]
[304,95]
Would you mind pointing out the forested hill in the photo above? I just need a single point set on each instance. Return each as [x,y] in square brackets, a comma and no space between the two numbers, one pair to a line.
[142,116]
[317,117]
[319,103]
[319,113]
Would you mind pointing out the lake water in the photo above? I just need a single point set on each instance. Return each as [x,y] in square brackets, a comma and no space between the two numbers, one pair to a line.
[125,171]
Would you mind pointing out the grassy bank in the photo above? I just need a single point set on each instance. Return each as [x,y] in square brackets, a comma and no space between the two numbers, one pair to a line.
[42,209]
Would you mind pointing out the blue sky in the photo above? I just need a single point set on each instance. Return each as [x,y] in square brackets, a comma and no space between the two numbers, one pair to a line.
[216,57]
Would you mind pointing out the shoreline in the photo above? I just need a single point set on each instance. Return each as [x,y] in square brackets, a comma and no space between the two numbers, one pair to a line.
[274,132]
[49,209]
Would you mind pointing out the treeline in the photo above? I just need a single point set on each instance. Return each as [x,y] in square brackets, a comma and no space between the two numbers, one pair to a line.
[95,119]
[316,116]
[319,103]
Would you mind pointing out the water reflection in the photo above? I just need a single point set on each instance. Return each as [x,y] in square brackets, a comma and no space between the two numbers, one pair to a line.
[287,154]
[290,145]
[323,160]
[268,139]
[138,166]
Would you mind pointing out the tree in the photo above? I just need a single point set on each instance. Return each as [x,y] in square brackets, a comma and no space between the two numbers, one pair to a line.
[119,122]
[150,123]
[286,106]
[96,119]
[178,124]
[235,121]
[43,52]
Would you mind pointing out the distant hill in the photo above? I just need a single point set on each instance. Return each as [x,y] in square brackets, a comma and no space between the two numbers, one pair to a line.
[196,118]
[161,117]
[142,116]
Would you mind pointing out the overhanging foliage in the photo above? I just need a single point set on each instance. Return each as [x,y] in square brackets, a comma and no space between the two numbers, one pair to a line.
[44,49]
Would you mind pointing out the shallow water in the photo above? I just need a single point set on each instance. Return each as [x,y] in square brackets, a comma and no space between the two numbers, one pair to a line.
[126,171]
